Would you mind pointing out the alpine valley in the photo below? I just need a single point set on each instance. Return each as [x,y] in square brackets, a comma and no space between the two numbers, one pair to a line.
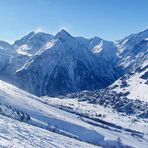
[65,91]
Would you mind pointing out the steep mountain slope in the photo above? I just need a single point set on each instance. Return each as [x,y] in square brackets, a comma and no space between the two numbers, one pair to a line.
[105,51]
[22,49]
[16,102]
[31,43]
[6,50]
[134,53]
[5,46]
[129,93]
[100,47]
[133,84]
[132,48]
[64,65]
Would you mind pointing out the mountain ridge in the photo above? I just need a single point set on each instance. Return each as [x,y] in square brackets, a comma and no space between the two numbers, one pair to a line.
[57,59]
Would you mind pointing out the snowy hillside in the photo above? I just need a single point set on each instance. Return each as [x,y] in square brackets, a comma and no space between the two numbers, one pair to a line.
[135,84]
[98,113]
[18,134]
[45,116]
[133,49]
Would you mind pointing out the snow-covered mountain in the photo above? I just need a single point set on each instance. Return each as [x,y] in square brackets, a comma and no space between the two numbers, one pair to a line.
[31,43]
[133,49]
[61,64]
[22,49]
[129,93]
[6,50]
[134,53]
[65,65]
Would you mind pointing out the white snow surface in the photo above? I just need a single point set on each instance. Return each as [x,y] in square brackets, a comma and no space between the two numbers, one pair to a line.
[45,116]
[15,134]
[97,111]
[23,50]
[136,86]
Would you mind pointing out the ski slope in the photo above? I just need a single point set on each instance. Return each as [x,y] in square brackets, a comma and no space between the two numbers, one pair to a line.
[136,86]
[50,118]
[17,134]
[96,111]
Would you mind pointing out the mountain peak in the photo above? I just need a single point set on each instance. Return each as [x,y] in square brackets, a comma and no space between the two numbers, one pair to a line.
[25,38]
[63,34]
[63,31]
[33,37]
[144,31]
[96,39]
[29,35]
[4,43]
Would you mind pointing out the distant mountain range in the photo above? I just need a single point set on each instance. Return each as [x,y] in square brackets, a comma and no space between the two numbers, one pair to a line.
[43,64]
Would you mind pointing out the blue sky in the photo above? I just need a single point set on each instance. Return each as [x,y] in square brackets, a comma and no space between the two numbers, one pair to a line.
[109,19]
